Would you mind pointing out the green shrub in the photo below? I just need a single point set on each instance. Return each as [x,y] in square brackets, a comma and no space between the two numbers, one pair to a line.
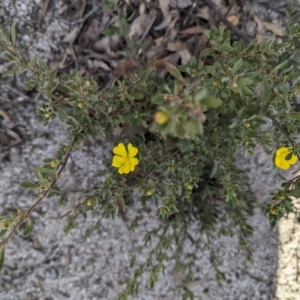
[178,142]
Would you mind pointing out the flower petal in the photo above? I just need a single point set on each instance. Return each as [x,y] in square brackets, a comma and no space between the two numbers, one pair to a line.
[281,162]
[125,168]
[118,161]
[120,150]
[283,149]
[133,162]
[132,151]
[293,160]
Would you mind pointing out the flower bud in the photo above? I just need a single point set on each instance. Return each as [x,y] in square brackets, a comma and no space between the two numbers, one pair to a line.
[54,163]
[80,104]
[149,192]
[161,117]
[89,202]
[190,186]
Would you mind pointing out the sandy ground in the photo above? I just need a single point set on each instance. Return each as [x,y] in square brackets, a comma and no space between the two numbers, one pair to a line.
[51,265]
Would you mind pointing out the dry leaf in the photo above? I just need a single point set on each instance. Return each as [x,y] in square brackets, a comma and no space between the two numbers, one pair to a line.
[70,37]
[91,33]
[101,64]
[175,46]
[262,26]
[107,44]
[172,58]
[203,13]
[124,67]
[164,6]
[165,23]
[185,56]
[5,115]
[234,20]
[192,30]
[139,25]
[260,30]
[179,278]
[275,28]
[181,3]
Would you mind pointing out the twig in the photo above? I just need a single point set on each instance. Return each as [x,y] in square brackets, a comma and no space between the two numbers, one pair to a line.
[44,10]
[148,28]
[222,18]
[26,214]
[85,17]
[278,125]
[173,154]
[75,207]
[74,57]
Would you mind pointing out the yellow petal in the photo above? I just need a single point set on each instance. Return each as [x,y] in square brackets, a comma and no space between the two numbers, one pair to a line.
[281,163]
[293,160]
[125,168]
[283,149]
[120,150]
[118,161]
[133,162]
[132,151]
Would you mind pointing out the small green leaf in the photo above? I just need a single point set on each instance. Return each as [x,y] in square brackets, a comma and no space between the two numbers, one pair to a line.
[207,33]
[52,77]
[93,97]
[42,170]
[48,160]
[28,185]
[244,81]
[3,232]
[55,188]
[10,72]
[193,62]
[206,52]
[137,96]
[237,66]
[62,115]
[2,254]
[157,99]
[8,56]
[295,115]
[266,93]
[280,66]
[27,229]
[174,72]
[145,74]
[226,47]
[63,89]
[13,33]
[113,90]
[233,125]
[295,193]
[109,32]
[184,145]
[211,102]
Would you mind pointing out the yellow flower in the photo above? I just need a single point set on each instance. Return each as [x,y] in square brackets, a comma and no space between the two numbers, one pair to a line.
[280,158]
[125,160]
[161,118]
